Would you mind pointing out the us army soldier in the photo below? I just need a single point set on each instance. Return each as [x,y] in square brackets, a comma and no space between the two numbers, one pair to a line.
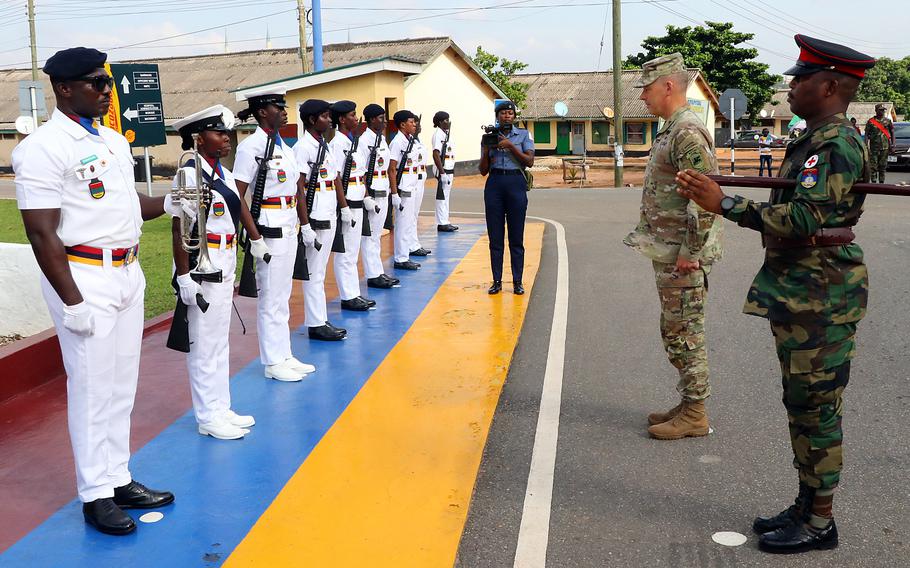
[681,239]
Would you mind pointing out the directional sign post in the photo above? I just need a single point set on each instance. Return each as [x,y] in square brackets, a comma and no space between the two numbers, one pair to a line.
[733,106]
[136,109]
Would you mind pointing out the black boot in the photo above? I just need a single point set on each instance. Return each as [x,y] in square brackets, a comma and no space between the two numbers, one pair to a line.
[803,501]
[496,288]
[518,288]
[799,537]
[134,495]
[107,517]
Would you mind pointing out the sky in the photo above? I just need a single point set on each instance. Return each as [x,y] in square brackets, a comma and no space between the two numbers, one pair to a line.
[548,35]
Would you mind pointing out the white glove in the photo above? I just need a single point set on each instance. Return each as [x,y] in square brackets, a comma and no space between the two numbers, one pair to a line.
[347,216]
[258,248]
[307,235]
[396,201]
[78,319]
[188,289]
[369,204]
[174,209]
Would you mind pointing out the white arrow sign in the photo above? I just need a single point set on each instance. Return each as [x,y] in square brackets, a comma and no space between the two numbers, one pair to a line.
[130,114]
[125,84]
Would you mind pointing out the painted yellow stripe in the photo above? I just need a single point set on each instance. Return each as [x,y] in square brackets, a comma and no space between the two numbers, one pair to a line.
[390,483]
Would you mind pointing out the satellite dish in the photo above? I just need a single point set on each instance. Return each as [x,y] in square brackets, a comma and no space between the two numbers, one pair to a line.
[763,113]
[25,125]
[561,108]
[607,112]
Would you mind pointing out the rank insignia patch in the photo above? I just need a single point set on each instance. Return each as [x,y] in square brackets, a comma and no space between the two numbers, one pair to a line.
[218,209]
[808,178]
[282,176]
[96,188]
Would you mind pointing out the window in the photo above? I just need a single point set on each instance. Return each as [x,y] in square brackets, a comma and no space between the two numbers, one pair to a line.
[635,133]
[542,132]
[600,132]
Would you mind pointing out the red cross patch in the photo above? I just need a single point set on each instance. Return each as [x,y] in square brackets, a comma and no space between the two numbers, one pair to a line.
[810,163]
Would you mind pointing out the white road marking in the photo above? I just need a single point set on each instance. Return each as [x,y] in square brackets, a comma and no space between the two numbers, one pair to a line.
[152,517]
[729,538]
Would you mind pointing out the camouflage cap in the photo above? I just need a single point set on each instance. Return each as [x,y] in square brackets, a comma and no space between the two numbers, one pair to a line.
[660,67]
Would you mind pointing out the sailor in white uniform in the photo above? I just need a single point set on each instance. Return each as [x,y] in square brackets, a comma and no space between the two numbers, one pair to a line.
[422,159]
[404,157]
[444,162]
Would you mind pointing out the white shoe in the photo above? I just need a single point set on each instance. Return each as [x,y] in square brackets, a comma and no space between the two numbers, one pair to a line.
[222,429]
[299,366]
[240,421]
[282,372]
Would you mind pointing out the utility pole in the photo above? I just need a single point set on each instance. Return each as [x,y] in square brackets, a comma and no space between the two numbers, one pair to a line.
[617,95]
[301,18]
[32,42]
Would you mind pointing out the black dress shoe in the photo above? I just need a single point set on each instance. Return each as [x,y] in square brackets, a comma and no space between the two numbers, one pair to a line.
[370,303]
[446,228]
[496,288]
[357,304]
[134,495]
[379,282]
[107,517]
[407,265]
[336,328]
[790,515]
[325,333]
[799,537]
[518,289]
[420,252]
[391,279]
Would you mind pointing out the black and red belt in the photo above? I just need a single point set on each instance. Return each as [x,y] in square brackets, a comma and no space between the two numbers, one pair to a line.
[95,256]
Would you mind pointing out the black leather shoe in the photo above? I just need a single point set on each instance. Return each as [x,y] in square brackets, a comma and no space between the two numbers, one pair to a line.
[334,327]
[379,282]
[518,289]
[762,525]
[325,333]
[799,537]
[107,517]
[496,288]
[355,304]
[134,495]
[446,228]
[391,279]
[407,265]
[420,252]
[370,303]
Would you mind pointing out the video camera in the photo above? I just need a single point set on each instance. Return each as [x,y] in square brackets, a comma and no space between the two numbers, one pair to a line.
[491,135]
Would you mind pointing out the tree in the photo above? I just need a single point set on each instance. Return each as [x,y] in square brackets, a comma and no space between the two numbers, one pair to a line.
[889,80]
[502,76]
[713,49]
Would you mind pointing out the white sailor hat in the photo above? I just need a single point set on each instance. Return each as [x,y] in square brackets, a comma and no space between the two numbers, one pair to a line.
[216,117]
[266,96]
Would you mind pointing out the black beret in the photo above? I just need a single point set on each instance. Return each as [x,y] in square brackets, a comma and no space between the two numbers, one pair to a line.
[74,62]
[262,101]
[505,105]
[819,55]
[403,116]
[440,116]
[343,107]
[372,110]
[313,107]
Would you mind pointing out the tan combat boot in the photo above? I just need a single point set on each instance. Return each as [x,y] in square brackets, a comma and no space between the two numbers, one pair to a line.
[661,417]
[690,421]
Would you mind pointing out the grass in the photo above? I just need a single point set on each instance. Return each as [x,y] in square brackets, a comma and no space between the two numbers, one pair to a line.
[154,253]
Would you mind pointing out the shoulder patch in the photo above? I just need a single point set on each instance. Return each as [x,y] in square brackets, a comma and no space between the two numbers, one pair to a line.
[811,162]
[808,178]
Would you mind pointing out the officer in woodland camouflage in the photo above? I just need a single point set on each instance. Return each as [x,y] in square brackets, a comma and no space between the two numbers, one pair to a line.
[681,239]
[813,285]
[879,137]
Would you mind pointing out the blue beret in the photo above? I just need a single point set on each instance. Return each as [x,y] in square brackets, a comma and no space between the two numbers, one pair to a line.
[403,116]
[74,62]
[313,107]
[372,110]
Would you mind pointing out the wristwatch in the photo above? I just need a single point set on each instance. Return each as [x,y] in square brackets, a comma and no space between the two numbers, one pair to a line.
[726,205]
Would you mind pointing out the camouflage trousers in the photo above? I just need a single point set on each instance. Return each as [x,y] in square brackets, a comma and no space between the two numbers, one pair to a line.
[878,162]
[682,327]
[815,369]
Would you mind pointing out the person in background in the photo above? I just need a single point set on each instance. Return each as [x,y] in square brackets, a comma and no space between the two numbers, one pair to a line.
[764,151]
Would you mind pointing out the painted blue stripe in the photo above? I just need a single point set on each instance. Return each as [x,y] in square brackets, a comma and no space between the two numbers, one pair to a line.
[223,487]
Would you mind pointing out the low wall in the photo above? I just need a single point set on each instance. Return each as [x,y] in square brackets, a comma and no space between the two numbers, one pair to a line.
[21,302]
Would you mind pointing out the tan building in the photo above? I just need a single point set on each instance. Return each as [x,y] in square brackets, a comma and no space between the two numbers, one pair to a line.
[424,75]
[585,129]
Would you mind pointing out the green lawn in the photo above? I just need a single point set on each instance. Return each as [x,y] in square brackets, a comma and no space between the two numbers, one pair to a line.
[154,252]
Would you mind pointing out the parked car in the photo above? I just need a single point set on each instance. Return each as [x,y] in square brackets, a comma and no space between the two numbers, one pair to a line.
[749,139]
[899,157]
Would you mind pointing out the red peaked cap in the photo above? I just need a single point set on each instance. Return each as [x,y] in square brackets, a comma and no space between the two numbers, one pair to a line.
[819,55]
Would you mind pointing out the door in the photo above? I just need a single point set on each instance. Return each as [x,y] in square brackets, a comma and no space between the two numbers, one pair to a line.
[578,138]
[563,131]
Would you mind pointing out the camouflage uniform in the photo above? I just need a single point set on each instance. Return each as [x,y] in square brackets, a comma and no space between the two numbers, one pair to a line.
[813,295]
[879,145]
[673,227]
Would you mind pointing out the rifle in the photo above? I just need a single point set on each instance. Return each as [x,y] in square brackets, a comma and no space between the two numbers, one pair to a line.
[247,286]
[178,337]
[399,175]
[787,183]
[338,243]
[368,182]
[440,194]
[301,270]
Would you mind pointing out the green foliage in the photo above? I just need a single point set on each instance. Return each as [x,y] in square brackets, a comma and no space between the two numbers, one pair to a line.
[889,80]
[500,71]
[713,49]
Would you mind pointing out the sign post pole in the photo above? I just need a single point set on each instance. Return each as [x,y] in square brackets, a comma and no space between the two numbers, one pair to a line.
[34,104]
[732,136]
[148,171]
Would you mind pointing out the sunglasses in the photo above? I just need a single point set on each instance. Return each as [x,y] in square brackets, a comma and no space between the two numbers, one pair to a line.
[98,82]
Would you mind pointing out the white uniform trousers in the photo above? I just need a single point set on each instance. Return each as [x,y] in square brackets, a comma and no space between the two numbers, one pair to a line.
[346,275]
[418,201]
[314,288]
[208,361]
[404,227]
[101,373]
[372,245]
[442,205]
[273,312]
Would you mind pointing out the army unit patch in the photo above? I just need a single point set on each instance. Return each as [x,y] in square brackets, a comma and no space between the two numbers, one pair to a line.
[218,209]
[282,176]
[809,177]
[96,188]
